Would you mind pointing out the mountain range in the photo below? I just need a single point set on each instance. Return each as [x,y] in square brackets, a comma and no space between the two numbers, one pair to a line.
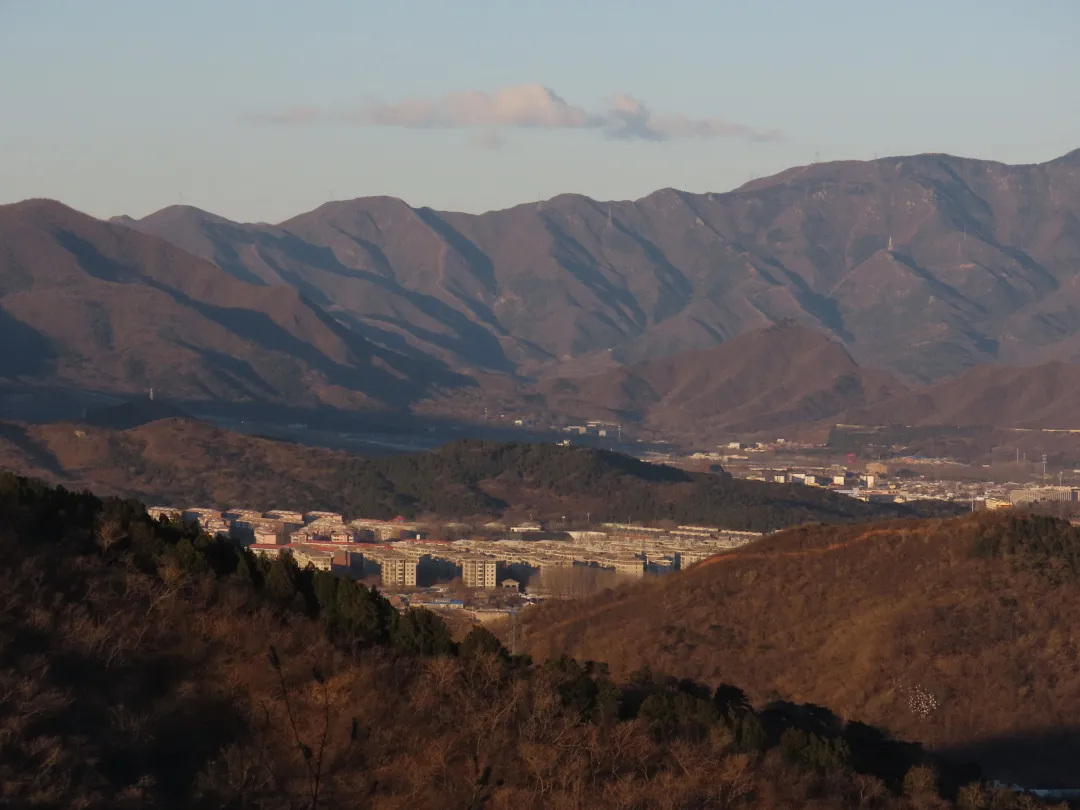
[921,266]
[101,306]
[854,290]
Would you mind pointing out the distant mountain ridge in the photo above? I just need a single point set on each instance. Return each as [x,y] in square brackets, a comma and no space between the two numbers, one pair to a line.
[900,272]
[104,307]
[921,266]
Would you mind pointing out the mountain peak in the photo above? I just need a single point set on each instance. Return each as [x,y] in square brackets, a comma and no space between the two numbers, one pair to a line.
[182,213]
[1068,159]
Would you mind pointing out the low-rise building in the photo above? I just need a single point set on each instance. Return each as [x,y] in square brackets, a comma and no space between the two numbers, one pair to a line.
[527,527]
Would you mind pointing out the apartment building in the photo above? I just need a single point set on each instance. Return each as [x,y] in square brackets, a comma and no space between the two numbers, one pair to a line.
[684,559]
[398,570]
[631,566]
[1037,494]
[383,531]
[321,559]
[327,517]
[479,573]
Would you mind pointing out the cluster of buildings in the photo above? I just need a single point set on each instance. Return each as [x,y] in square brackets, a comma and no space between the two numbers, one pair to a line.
[1030,495]
[875,485]
[404,557]
[625,548]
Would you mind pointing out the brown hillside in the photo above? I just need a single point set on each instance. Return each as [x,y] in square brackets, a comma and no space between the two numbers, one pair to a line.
[178,461]
[922,266]
[1043,396]
[102,306]
[147,665]
[763,380]
[959,632]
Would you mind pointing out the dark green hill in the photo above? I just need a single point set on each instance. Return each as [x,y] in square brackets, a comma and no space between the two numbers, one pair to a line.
[615,487]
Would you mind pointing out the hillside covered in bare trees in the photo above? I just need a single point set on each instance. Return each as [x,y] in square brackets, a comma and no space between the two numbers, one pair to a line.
[145,665]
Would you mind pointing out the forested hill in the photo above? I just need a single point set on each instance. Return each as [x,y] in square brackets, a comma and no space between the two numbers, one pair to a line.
[957,632]
[612,486]
[183,462]
[146,665]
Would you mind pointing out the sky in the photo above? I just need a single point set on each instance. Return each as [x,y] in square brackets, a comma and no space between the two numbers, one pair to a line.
[261,109]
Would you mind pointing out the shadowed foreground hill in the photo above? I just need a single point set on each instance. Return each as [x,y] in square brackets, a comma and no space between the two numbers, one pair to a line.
[144,665]
[956,632]
[186,462]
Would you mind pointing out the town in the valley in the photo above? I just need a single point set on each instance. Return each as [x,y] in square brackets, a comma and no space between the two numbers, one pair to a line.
[485,575]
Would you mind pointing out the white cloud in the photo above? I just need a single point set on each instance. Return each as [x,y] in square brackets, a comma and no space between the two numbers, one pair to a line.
[528,106]
[630,119]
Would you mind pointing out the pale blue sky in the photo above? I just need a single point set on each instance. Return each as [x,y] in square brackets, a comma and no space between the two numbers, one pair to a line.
[125,106]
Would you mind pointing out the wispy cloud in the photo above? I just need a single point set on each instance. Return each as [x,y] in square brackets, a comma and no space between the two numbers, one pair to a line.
[489,139]
[528,106]
[630,119]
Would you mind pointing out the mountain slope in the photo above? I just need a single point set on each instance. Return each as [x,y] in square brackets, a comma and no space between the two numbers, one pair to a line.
[959,631]
[1042,396]
[762,380]
[102,306]
[922,265]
